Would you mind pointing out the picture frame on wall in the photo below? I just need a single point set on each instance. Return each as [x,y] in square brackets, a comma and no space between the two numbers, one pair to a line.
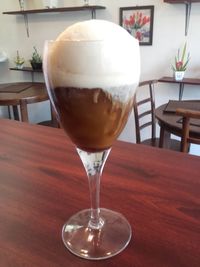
[138,21]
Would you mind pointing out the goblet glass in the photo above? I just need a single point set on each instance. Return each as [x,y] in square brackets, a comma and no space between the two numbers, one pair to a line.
[93,117]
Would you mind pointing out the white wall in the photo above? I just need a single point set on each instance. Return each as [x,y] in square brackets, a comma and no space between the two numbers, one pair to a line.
[168,35]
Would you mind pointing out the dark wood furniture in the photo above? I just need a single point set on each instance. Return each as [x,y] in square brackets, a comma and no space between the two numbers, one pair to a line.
[188,6]
[144,113]
[181,1]
[149,112]
[42,183]
[25,13]
[185,81]
[170,123]
[28,69]
[21,94]
[91,8]
[187,116]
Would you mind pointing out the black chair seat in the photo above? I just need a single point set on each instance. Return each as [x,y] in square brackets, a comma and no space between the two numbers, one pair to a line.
[50,123]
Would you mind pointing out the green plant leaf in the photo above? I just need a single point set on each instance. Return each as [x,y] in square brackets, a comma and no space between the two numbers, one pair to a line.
[178,55]
[183,55]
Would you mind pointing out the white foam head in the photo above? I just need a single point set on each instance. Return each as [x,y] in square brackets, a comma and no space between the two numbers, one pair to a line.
[95,54]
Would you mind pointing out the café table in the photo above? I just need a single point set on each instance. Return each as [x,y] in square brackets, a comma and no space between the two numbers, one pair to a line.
[185,81]
[42,183]
[21,94]
[170,123]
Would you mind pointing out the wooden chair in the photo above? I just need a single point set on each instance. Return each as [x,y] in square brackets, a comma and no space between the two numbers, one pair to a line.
[137,105]
[186,138]
[144,112]
[53,122]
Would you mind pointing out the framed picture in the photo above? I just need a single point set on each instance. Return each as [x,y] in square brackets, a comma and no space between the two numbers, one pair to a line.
[138,21]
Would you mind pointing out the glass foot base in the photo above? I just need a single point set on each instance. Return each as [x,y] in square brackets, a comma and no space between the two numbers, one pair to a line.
[96,244]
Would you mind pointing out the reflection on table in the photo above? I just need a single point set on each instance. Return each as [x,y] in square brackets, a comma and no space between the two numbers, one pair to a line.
[42,184]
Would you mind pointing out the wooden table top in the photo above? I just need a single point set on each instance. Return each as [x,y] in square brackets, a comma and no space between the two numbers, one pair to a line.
[172,122]
[42,183]
[13,93]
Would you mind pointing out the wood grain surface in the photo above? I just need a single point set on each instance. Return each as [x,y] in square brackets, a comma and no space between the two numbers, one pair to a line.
[13,93]
[42,183]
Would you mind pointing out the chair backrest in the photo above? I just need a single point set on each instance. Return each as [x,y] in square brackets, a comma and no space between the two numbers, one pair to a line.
[145,117]
[186,138]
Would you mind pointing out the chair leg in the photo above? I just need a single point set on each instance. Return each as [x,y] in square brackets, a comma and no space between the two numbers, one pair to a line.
[161,139]
[9,113]
[24,111]
[164,140]
[15,113]
[184,140]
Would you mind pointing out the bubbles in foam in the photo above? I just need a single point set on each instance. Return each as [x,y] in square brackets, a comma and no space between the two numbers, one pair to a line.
[95,54]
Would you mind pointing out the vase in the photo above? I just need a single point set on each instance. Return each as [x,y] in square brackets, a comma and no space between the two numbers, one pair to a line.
[50,3]
[21,4]
[36,66]
[19,66]
[179,75]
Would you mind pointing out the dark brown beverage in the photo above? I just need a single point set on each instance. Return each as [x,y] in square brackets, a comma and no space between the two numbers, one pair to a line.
[91,118]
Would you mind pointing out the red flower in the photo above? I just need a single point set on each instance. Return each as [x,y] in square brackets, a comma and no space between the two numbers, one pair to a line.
[132,20]
[136,21]
[179,65]
[126,22]
[139,21]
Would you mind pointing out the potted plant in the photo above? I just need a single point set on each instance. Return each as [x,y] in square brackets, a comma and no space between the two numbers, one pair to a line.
[181,61]
[36,60]
[19,61]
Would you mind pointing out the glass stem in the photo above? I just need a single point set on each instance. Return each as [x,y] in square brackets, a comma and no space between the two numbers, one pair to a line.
[93,163]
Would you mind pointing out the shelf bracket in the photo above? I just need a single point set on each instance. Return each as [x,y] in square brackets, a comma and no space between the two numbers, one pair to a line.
[188,6]
[26,24]
[93,11]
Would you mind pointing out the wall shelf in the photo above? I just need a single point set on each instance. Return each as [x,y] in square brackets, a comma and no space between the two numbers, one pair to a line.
[55,10]
[25,13]
[28,69]
[188,5]
[181,1]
